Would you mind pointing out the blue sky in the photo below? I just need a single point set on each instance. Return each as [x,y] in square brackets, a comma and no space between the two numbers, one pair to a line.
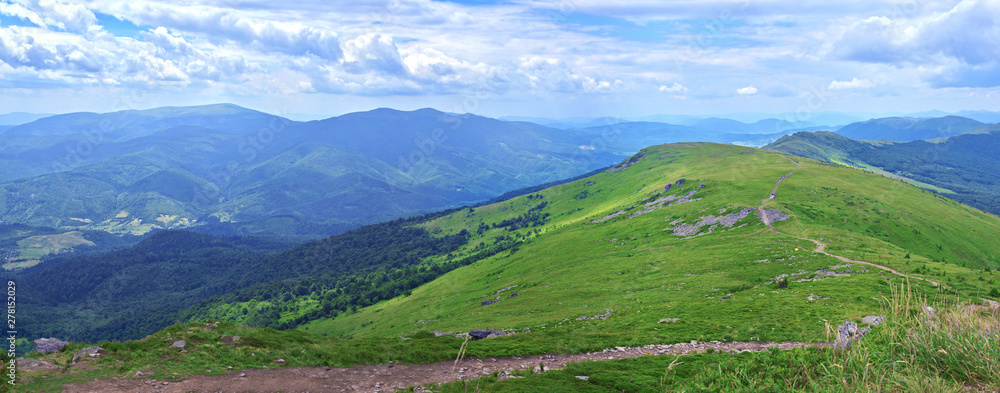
[553,58]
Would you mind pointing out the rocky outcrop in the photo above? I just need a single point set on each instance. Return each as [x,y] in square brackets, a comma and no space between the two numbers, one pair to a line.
[773,215]
[627,163]
[49,345]
[88,353]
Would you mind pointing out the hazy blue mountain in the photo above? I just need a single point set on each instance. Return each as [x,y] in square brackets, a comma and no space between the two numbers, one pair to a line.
[907,129]
[16,118]
[258,173]
[632,136]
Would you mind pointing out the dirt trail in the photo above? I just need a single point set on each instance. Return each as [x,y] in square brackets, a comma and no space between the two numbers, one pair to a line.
[820,247]
[389,378]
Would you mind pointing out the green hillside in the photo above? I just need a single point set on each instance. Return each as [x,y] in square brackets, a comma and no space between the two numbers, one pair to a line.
[634,264]
[962,167]
[667,247]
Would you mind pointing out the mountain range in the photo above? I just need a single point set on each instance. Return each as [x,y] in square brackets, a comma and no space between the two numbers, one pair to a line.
[701,242]
[227,170]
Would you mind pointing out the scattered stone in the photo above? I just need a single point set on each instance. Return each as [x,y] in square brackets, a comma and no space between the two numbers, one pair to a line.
[279,361]
[667,187]
[680,181]
[725,220]
[514,294]
[773,215]
[487,302]
[812,297]
[49,345]
[669,320]
[88,352]
[583,377]
[725,298]
[35,364]
[608,217]
[502,290]
[606,315]
[178,344]
[138,374]
[701,186]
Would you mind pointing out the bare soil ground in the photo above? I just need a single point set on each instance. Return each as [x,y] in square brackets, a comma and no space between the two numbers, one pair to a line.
[389,378]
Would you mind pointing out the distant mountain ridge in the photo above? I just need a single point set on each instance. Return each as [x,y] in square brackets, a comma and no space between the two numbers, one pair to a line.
[905,129]
[964,167]
[172,167]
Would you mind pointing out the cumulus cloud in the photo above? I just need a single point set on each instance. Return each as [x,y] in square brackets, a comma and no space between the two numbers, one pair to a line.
[48,13]
[19,47]
[676,88]
[854,83]
[960,43]
[746,91]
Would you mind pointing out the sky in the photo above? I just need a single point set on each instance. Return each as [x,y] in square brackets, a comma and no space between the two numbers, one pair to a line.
[548,58]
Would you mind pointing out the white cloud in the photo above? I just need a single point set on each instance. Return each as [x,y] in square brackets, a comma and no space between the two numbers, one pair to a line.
[854,83]
[749,90]
[961,43]
[676,88]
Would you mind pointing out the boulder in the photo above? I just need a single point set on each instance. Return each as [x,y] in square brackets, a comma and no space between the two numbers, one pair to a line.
[847,333]
[479,334]
[178,344]
[87,353]
[49,345]
[229,339]
[872,320]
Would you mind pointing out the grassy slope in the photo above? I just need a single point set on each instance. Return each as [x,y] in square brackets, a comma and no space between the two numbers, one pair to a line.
[643,276]
[649,274]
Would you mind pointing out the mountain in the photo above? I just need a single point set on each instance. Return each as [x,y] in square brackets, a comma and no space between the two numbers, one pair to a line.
[630,137]
[963,167]
[16,118]
[906,129]
[679,242]
[228,170]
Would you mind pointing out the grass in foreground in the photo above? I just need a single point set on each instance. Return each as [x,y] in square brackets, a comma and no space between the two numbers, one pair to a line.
[954,349]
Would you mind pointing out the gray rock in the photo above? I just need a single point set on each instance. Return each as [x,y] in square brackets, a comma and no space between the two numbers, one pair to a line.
[669,320]
[49,345]
[487,302]
[847,333]
[814,297]
[479,334]
[87,353]
[178,344]
[279,361]
[872,320]
[35,364]
[514,294]
[583,377]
